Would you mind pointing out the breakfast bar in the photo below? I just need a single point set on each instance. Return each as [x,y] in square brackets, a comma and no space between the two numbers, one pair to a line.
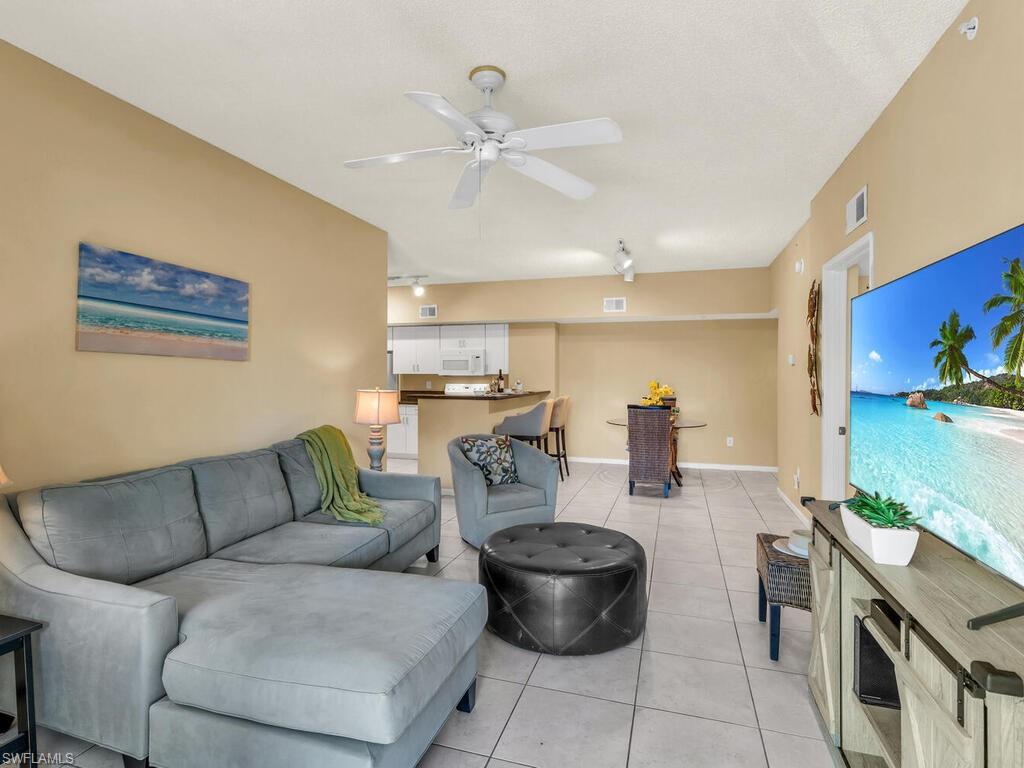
[443,417]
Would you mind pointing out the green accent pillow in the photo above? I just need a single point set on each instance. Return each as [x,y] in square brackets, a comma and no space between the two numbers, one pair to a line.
[493,457]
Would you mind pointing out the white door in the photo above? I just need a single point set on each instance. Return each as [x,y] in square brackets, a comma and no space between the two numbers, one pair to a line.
[412,425]
[496,347]
[404,347]
[428,349]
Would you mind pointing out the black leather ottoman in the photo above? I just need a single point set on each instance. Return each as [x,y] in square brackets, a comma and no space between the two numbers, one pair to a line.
[564,588]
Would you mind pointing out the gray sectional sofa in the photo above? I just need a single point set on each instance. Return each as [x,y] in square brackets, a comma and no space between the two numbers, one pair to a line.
[207,613]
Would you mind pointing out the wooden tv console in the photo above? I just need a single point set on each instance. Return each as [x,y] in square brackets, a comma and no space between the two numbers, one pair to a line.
[960,692]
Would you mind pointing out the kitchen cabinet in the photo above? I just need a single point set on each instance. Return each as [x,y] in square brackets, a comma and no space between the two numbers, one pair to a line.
[403,437]
[462,337]
[496,347]
[416,349]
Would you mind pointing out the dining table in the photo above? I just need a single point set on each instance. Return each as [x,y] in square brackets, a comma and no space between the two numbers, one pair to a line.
[677,424]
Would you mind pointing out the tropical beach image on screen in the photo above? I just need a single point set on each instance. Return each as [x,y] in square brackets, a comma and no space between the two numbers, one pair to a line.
[136,305]
[937,407]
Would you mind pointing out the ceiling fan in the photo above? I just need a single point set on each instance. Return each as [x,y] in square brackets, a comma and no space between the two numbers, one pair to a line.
[488,135]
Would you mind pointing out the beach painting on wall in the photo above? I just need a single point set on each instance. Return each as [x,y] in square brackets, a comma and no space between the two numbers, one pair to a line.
[140,306]
[937,407]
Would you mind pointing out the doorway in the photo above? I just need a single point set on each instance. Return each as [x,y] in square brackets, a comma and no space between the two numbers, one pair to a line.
[835,359]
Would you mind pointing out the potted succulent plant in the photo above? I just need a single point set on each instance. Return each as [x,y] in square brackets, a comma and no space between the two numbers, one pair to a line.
[883,528]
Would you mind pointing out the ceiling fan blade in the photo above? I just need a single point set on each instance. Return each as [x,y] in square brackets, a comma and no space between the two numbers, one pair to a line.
[469,185]
[400,157]
[600,130]
[558,179]
[441,108]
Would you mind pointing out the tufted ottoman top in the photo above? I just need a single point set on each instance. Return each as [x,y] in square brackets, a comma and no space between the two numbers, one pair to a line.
[564,548]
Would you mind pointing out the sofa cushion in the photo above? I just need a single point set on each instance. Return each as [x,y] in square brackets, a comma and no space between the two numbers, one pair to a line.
[240,495]
[338,651]
[503,498]
[300,476]
[122,530]
[349,545]
[403,519]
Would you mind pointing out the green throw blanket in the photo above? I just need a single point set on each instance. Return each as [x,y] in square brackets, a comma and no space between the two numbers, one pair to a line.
[338,476]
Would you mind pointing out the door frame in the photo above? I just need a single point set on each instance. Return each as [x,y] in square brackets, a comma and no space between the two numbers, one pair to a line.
[835,356]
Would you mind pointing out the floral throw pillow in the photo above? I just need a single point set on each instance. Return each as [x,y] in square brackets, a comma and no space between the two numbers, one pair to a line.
[493,457]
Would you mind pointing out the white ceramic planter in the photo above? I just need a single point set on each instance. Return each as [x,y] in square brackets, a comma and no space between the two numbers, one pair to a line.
[886,546]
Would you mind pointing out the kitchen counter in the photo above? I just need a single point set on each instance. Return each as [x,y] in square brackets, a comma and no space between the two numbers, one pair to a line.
[413,396]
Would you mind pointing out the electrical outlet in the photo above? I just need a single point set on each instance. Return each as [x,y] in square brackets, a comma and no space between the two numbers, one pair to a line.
[729,442]
[429,384]
[796,479]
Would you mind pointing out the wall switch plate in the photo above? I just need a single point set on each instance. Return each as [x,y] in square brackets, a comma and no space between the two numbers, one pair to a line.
[429,384]
[796,479]
[791,359]
[729,442]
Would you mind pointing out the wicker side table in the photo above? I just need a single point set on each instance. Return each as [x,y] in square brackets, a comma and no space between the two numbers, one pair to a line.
[782,580]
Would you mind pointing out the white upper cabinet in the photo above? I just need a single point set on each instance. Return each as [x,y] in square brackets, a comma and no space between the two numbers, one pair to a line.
[462,337]
[496,346]
[428,350]
[415,349]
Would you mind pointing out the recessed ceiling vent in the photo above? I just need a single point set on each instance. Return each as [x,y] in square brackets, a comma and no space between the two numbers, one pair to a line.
[428,311]
[857,210]
[615,304]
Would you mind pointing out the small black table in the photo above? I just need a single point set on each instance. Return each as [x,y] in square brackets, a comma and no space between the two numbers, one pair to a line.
[16,637]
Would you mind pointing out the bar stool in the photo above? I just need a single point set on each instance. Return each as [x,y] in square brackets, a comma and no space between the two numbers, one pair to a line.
[559,418]
[531,427]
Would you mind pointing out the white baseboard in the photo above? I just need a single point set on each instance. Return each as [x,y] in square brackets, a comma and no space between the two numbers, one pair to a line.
[682,464]
[803,513]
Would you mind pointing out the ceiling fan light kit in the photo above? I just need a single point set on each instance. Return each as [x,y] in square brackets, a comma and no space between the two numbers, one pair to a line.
[489,136]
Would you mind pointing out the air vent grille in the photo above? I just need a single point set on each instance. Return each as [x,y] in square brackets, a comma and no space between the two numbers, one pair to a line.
[857,210]
[428,311]
[615,304]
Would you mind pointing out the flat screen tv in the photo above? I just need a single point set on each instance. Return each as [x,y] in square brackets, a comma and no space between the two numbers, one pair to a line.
[937,400]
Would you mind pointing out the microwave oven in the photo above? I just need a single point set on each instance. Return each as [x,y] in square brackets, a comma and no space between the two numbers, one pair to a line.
[462,362]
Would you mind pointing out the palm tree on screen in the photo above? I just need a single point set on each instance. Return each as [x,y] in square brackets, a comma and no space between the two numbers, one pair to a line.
[1011,325]
[951,361]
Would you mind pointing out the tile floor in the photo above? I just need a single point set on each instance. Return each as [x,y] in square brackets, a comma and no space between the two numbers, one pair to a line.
[698,689]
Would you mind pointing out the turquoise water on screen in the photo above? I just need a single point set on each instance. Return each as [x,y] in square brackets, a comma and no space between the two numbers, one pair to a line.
[102,314]
[965,479]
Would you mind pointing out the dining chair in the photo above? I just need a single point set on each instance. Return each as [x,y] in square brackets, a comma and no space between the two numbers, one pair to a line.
[559,420]
[650,432]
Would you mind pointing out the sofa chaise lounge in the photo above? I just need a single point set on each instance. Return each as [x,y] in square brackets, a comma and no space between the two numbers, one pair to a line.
[207,613]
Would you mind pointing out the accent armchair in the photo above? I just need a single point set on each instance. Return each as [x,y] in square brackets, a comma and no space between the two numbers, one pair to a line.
[483,509]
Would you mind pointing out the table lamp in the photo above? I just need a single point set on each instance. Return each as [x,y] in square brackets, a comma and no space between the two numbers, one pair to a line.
[4,479]
[376,407]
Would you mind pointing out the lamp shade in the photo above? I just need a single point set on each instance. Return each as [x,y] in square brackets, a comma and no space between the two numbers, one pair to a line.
[4,479]
[376,406]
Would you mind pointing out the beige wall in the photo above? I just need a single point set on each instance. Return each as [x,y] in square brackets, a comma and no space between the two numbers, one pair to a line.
[723,372]
[665,295]
[79,164]
[944,165]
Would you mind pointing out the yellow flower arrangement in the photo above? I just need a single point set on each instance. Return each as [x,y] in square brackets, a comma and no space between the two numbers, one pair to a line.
[657,392]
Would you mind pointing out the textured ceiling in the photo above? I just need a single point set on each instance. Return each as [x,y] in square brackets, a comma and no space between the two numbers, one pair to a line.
[734,113]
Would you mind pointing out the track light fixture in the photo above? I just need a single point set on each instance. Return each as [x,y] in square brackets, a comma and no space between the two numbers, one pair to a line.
[417,288]
[624,263]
